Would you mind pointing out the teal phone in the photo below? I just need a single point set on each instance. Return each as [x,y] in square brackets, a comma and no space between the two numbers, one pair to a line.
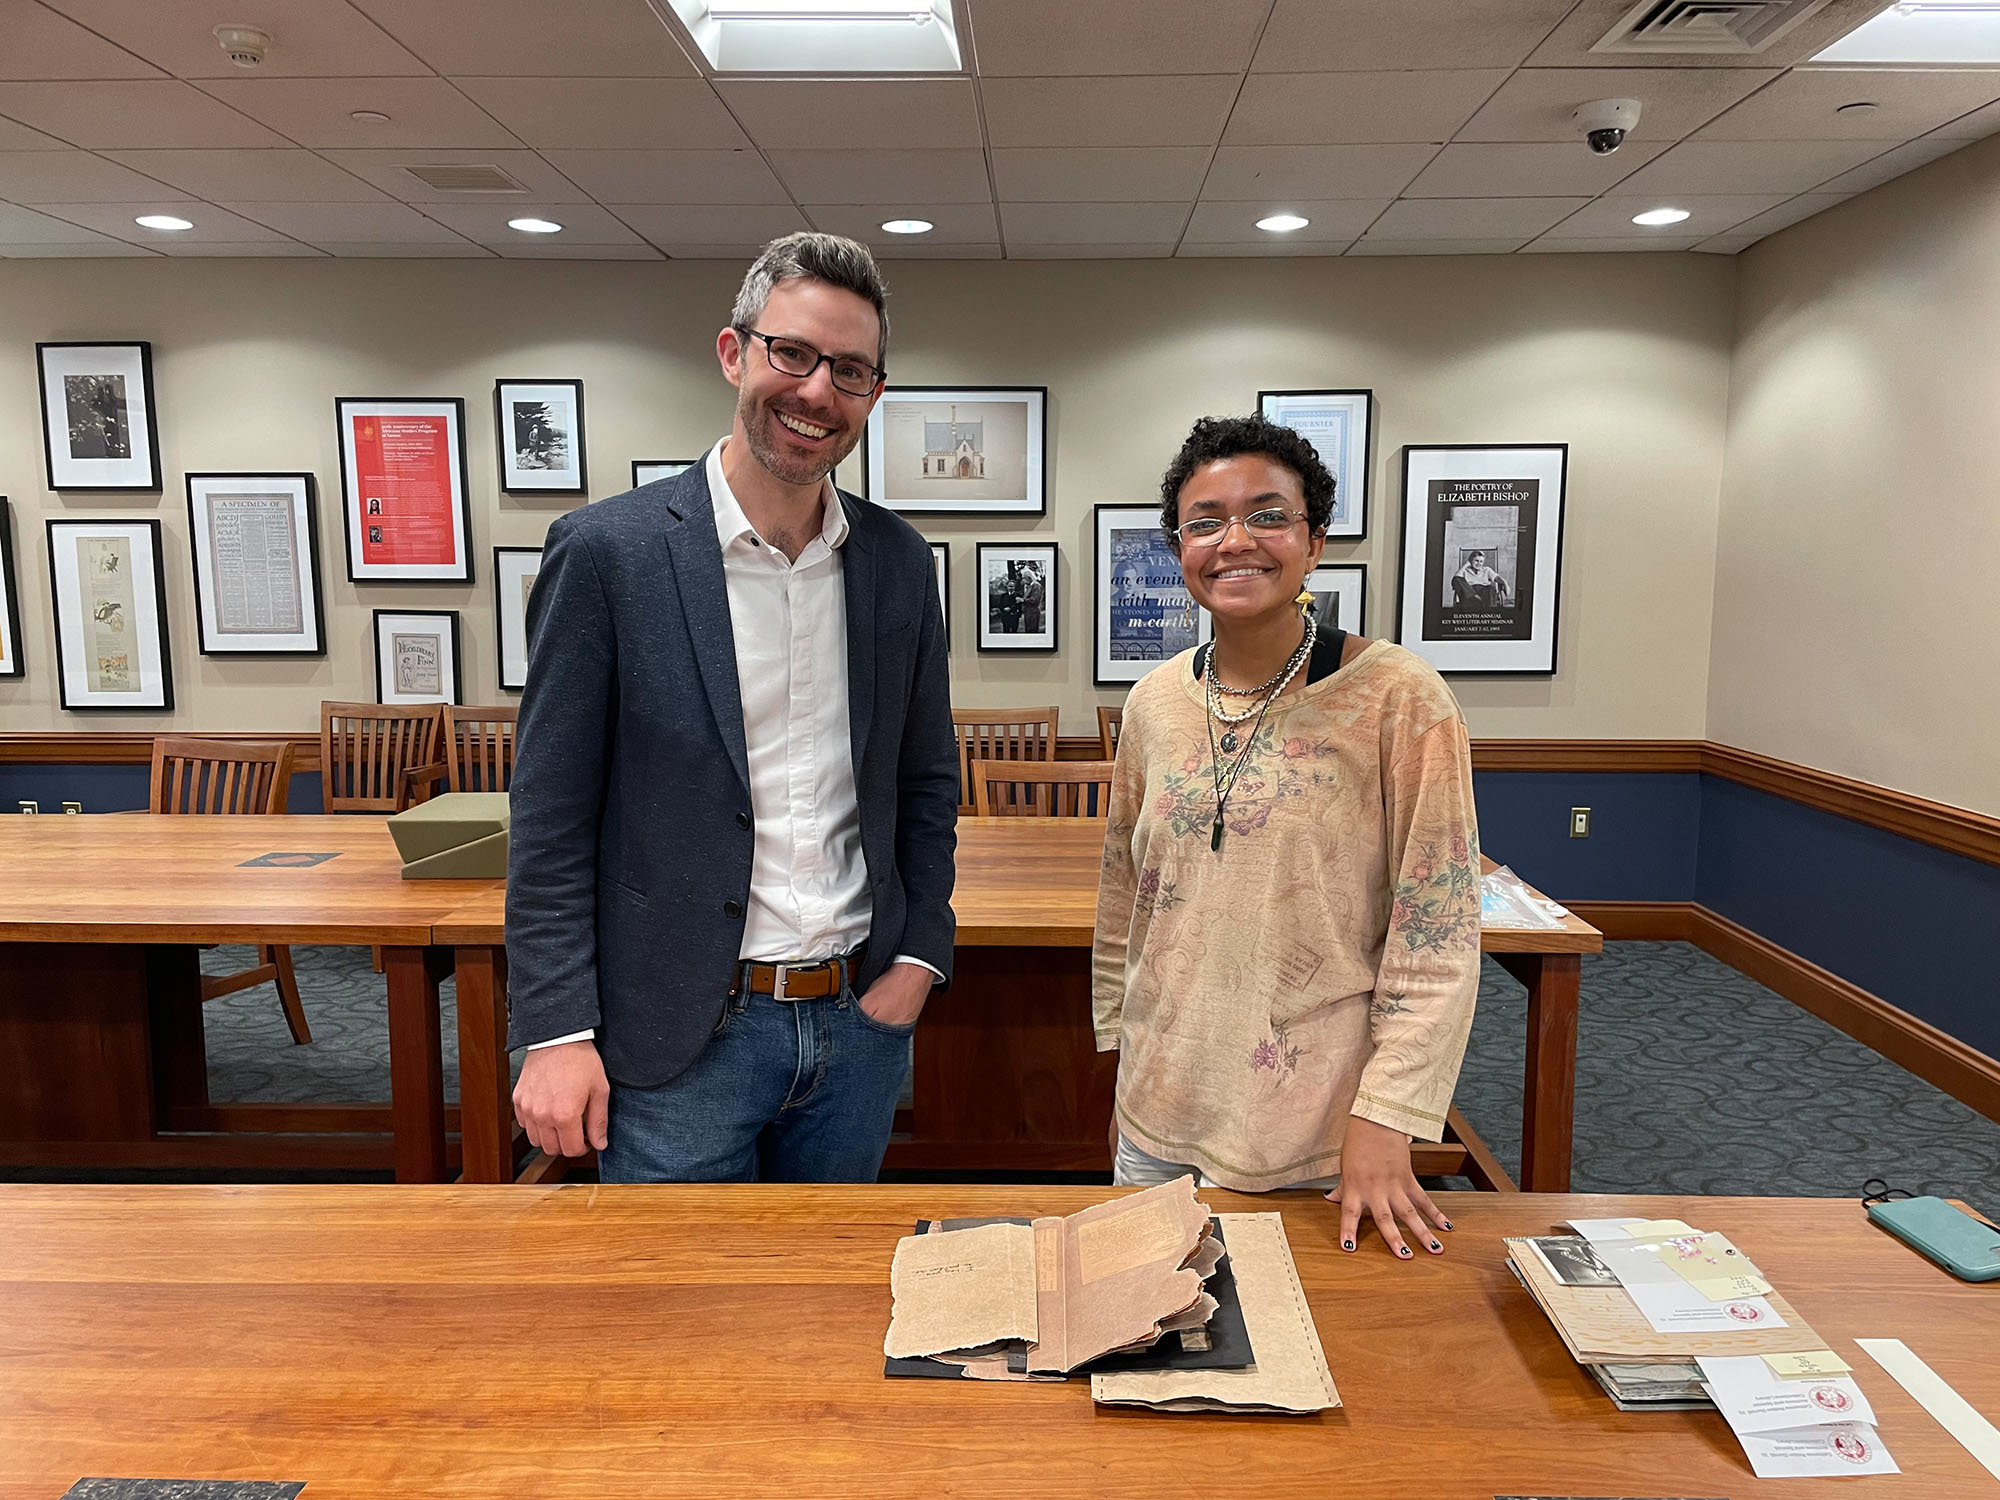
[1963,1245]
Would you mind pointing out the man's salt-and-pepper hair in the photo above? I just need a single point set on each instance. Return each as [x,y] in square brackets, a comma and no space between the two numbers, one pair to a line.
[830,258]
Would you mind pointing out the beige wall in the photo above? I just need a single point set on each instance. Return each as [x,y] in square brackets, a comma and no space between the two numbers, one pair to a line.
[1624,357]
[1857,614]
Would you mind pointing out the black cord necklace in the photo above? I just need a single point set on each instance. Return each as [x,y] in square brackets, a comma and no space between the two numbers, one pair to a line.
[1225,784]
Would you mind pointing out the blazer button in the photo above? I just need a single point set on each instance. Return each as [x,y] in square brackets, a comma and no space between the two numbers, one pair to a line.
[743,820]
[732,908]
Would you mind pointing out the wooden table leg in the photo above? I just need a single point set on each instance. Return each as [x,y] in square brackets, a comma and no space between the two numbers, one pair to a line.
[485,1089]
[416,1061]
[1548,1101]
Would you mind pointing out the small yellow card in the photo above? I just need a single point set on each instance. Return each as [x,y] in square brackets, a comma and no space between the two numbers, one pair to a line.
[1657,1229]
[1813,1365]
[1729,1288]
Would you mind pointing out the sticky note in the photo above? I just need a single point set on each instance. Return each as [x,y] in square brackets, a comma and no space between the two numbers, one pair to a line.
[1729,1288]
[1817,1362]
[1657,1229]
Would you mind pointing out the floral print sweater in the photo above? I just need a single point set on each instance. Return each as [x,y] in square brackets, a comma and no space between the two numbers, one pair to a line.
[1324,961]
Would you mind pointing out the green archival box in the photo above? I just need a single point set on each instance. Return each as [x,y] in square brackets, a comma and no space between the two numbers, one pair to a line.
[458,836]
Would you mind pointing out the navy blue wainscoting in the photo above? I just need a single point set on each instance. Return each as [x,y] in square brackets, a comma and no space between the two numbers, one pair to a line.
[103,789]
[1643,828]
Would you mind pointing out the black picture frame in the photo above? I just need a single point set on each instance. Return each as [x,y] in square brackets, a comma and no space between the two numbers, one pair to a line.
[1361,590]
[59,480]
[1105,670]
[449,633]
[1355,472]
[13,655]
[1048,556]
[352,519]
[309,562]
[1035,461]
[164,701]
[681,466]
[517,481]
[502,613]
[941,566]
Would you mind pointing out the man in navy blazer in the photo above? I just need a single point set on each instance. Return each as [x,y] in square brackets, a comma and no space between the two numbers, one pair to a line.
[734,799]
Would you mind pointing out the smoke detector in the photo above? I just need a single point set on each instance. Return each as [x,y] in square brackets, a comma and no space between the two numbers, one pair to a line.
[246,45]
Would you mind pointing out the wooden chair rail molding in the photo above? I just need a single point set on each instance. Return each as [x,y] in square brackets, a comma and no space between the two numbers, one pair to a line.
[1956,829]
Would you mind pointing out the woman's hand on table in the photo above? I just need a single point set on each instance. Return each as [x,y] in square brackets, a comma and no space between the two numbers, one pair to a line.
[1375,1177]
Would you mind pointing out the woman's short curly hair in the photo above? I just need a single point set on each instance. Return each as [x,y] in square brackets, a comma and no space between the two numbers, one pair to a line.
[1229,437]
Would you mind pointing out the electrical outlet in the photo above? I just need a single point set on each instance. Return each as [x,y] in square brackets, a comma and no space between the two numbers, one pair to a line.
[1579,822]
[72,807]
[30,807]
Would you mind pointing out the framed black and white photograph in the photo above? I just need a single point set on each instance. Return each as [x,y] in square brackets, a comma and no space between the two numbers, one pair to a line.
[99,431]
[403,489]
[1337,424]
[416,656]
[1482,555]
[107,590]
[941,565]
[514,571]
[1340,597]
[540,425]
[254,543]
[646,470]
[1016,596]
[1143,610]
[958,450]
[11,664]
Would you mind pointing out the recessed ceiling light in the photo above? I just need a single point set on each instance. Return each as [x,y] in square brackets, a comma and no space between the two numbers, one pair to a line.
[163,221]
[820,10]
[1858,107]
[535,226]
[1656,216]
[1282,223]
[1953,32]
[909,226]
[369,116]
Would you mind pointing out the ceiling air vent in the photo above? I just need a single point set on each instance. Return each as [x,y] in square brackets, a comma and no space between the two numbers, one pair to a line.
[1656,26]
[474,178]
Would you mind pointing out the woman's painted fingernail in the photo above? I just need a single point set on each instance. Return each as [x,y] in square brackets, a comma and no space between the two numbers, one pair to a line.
[1436,1246]
[1447,1224]
[1404,1251]
[1347,1244]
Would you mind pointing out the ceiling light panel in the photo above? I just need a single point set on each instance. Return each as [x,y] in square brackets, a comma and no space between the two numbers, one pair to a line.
[1923,31]
[823,36]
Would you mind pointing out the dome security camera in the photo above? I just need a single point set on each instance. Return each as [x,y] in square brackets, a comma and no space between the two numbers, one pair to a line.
[1604,123]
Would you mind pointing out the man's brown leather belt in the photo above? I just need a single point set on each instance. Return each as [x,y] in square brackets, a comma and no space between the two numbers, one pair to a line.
[813,981]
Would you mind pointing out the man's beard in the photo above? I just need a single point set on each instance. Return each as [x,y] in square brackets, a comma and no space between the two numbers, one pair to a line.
[791,468]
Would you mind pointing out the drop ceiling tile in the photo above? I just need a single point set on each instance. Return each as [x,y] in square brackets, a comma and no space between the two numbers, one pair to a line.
[1728,244]
[15,137]
[387,170]
[529,38]
[70,177]
[1535,104]
[1275,247]
[1802,105]
[1320,109]
[711,223]
[608,114]
[308,37]
[988,251]
[542,250]
[1368,245]
[453,249]
[952,224]
[1269,174]
[912,177]
[1708,214]
[349,222]
[1312,36]
[1338,219]
[1102,174]
[210,222]
[1493,170]
[1569,44]
[1975,126]
[42,44]
[1068,250]
[277,176]
[1747,166]
[1131,111]
[1471,218]
[486,223]
[109,116]
[1548,245]
[1035,38]
[245,249]
[97,249]
[1891,164]
[671,176]
[738,255]
[1091,223]
[317,111]
[23,226]
[855,114]
[1787,214]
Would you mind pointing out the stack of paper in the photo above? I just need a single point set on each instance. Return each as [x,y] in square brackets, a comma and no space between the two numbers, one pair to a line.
[1795,1427]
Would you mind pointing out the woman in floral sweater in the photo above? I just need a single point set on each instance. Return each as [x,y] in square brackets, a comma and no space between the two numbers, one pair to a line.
[1287,942]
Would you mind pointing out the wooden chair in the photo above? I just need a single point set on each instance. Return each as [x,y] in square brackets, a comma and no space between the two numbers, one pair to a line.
[232,777]
[1109,722]
[1000,734]
[378,757]
[478,748]
[1055,789]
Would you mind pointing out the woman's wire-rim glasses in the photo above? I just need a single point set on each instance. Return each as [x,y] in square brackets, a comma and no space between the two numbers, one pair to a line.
[1208,531]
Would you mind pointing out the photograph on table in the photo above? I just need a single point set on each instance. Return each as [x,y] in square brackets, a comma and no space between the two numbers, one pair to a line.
[109,597]
[941,565]
[403,489]
[958,450]
[99,431]
[514,570]
[1337,424]
[10,599]
[254,543]
[646,470]
[1017,596]
[1143,612]
[540,428]
[1482,556]
[416,656]
[1340,597]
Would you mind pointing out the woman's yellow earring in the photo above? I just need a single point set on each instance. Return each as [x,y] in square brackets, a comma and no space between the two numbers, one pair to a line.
[1305,601]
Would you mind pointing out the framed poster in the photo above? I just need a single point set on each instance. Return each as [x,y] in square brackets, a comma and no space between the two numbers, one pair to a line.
[646,470]
[1482,555]
[254,541]
[10,599]
[941,564]
[1337,424]
[540,428]
[108,594]
[1340,596]
[514,572]
[958,450]
[1017,596]
[403,489]
[98,427]
[1144,612]
[416,656]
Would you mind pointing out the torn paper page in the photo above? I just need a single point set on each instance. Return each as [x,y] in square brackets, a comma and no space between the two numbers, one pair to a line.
[961,1290]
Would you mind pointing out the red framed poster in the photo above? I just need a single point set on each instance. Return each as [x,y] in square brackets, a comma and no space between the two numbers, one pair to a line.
[403,488]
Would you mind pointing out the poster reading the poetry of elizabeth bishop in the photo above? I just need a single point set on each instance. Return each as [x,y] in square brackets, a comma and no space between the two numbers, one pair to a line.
[1145,614]
[403,489]
[1482,556]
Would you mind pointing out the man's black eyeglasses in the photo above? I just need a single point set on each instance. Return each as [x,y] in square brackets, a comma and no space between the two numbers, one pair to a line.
[856,377]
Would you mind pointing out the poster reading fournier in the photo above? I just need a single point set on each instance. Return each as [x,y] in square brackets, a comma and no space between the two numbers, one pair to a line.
[403,480]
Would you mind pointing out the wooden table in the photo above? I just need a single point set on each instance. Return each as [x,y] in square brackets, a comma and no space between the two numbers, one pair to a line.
[629,1342]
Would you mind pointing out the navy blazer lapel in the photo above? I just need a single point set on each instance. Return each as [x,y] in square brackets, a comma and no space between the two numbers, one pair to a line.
[704,598]
[858,567]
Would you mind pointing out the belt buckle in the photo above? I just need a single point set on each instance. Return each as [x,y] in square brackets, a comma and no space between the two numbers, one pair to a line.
[778,983]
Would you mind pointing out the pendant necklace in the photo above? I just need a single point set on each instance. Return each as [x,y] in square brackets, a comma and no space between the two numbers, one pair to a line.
[1225,781]
[1266,690]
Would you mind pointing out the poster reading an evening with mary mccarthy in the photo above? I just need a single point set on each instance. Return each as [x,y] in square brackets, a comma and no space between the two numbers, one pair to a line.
[1480,549]
[1152,615]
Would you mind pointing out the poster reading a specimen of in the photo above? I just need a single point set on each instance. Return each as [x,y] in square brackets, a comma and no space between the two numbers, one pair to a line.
[416,656]
[514,572]
[403,489]
[255,545]
[1144,612]
[98,425]
[110,611]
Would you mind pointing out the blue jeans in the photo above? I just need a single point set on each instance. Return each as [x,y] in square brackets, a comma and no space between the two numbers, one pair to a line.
[785,1091]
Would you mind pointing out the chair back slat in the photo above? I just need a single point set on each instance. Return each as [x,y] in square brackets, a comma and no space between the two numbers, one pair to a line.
[479,747]
[1109,722]
[205,776]
[1052,789]
[365,749]
[1025,734]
